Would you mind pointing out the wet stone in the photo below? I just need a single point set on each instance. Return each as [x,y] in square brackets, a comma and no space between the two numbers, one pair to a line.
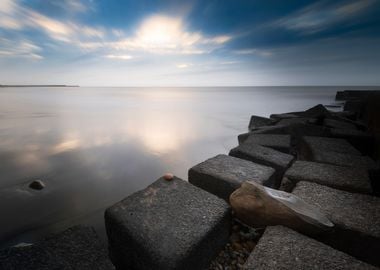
[37,185]
[356,216]
[265,156]
[168,225]
[76,248]
[222,175]
[283,248]
[275,141]
[344,178]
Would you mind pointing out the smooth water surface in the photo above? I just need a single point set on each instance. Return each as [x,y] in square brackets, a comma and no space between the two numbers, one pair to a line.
[94,146]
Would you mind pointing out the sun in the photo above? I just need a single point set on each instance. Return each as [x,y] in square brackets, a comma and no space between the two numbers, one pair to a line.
[161,32]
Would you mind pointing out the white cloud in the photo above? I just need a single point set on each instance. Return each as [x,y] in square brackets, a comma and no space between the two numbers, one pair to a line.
[16,17]
[183,65]
[156,34]
[161,35]
[260,52]
[317,17]
[120,57]
[23,48]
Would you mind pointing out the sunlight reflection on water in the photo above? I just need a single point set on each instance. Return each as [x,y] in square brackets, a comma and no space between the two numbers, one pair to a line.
[94,146]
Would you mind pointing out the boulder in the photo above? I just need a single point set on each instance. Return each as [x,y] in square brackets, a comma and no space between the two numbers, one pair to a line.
[76,248]
[257,205]
[344,178]
[283,248]
[222,175]
[356,216]
[168,225]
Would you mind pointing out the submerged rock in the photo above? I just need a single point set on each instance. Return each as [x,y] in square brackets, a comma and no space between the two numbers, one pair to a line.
[257,205]
[37,185]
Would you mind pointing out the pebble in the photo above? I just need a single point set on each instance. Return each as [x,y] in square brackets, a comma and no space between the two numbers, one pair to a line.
[241,243]
[168,176]
[37,185]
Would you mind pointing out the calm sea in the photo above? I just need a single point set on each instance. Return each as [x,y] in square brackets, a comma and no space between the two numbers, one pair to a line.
[94,146]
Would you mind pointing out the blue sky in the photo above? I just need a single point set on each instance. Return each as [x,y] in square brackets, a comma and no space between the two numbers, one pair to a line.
[189,43]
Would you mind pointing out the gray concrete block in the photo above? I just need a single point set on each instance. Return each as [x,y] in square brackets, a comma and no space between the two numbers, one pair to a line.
[346,160]
[265,156]
[318,111]
[299,120]
[283,248]
[295,130]
[222,175]
[332,123]
[280,116]
[349,179]
[76,248]
[324,144]
[361,140]
[168,225]
[278,142]
[259,121]
[356,216]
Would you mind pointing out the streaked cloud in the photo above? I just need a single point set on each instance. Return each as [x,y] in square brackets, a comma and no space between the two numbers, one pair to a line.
[120,56]
[161,34]
[23,48]
[321,15]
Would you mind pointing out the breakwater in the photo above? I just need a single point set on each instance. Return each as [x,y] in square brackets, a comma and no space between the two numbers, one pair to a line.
[328,159]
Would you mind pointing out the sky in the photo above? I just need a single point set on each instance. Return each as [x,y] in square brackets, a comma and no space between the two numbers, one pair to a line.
[190,43]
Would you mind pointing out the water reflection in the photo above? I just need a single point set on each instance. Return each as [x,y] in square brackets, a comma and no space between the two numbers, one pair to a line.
[94,146]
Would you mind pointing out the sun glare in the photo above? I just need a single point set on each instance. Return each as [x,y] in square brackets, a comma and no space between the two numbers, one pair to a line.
[161,32]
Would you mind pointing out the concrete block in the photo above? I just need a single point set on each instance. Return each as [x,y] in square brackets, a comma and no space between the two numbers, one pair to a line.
[168,225]
[344,178]
[283,248]
[222,175]
[76,248]
[361,140]
[346,160]
[259,121]
[332,123]
[356,216]
[265,156]
[324,144]
[278,142]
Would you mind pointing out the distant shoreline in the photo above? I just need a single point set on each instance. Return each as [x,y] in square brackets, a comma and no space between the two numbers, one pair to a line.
[39,85]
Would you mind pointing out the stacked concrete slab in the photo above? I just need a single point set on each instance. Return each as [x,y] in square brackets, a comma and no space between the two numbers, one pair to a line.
[265,156]
[356,216]
[349,179]
[76,248]
[222,175]
[283,248]
[334,151]
[169,225]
